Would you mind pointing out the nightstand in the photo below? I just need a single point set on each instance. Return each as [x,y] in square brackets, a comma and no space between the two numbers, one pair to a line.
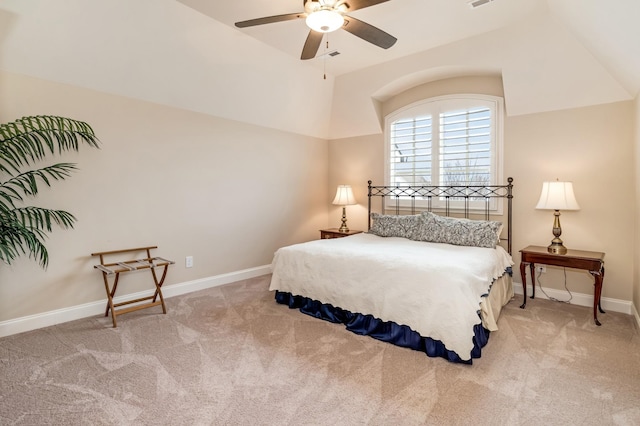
[578,259]
[335,233]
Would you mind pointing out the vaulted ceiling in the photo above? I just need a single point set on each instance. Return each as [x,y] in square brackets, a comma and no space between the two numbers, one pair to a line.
[551,54]
[608,30]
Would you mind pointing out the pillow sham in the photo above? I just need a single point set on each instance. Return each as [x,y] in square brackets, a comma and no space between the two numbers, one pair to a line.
[405,226]
[461,232]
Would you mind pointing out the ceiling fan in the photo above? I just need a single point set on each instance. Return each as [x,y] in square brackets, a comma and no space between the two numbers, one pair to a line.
[324,16]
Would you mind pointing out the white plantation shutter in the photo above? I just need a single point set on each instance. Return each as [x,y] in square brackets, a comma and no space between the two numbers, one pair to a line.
[465,147]
[411,154]
[449,140]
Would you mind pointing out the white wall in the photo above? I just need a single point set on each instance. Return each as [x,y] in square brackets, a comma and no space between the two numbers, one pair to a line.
[164,52]
[543,67]
[227,193]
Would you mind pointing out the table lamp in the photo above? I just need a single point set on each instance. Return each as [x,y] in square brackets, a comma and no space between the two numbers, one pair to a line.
[344,197]
[557,196]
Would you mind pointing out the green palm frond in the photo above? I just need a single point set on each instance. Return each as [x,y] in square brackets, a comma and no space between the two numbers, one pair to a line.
[36,218]
[27,182]
[17,239]
[22,143]
[28,139]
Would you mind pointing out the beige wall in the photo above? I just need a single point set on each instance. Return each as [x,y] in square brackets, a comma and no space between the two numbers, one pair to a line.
[593,147]
[354,161]
[171,178]
[636,258]
[228,194]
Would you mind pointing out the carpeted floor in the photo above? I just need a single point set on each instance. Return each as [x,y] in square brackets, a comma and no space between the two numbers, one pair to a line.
[231,356]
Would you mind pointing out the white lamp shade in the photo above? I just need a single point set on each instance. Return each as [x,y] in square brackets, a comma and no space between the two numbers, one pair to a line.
[557,196]
[344,196]
[325,21]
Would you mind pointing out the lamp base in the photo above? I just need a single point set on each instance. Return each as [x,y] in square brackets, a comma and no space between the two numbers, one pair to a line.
[557,248]
[343,227]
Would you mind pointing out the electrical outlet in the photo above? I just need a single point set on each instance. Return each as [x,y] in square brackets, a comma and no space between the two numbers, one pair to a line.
[541,269]
[188,262]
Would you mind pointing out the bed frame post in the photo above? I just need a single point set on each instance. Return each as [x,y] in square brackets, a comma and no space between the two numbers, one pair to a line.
[509,214]
[369,210]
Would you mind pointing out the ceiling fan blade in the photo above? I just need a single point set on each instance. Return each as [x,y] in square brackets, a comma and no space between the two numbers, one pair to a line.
[361,4]
[270,19]
[368,32]
[312,45]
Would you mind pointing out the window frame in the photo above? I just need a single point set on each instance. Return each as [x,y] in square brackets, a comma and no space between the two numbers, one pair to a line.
[436,106]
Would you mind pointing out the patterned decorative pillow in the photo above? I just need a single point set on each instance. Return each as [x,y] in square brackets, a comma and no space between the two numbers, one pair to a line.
[461,232]
[404,226]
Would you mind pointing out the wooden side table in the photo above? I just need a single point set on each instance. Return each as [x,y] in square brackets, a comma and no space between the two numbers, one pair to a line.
[335,233]
[578,259]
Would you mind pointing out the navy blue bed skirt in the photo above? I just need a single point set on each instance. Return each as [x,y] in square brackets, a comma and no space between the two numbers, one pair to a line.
[367,325]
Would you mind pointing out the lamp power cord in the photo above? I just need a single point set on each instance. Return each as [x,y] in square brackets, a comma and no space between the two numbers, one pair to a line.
[565,286]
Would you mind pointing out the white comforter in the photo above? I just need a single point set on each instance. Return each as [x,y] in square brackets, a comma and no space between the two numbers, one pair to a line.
[433,288]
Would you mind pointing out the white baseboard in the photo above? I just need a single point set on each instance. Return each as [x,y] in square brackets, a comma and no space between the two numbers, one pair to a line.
[58,316]
[580,299]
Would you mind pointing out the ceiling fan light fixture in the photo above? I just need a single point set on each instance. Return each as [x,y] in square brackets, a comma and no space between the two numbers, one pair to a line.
[325,21]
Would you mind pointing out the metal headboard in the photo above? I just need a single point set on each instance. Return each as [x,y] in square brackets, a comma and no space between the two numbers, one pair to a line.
[404,199]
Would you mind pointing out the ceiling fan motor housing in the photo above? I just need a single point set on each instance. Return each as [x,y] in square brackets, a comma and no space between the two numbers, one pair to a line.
[311,6]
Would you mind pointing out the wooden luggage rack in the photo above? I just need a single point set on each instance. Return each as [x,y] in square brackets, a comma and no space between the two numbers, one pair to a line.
[114,269]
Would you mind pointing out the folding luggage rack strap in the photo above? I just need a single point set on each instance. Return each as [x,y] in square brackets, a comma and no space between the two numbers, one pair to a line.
[114,269]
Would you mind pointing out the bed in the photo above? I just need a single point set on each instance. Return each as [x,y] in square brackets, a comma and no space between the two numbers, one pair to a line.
[431,282]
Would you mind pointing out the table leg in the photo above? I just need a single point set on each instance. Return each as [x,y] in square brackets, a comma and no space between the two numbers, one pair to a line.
[523,274]
[600,297]
[597,294]
[532,266]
